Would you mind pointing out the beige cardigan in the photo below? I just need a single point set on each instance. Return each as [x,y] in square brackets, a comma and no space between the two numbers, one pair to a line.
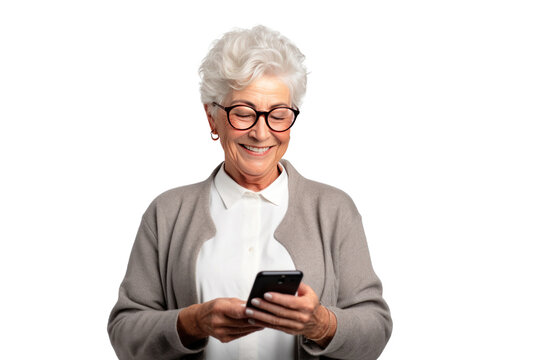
[322,231]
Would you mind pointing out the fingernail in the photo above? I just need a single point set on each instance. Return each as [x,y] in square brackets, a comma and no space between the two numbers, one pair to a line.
[243,305]
[249,312]
[268,296]
[255,302]
[251,321]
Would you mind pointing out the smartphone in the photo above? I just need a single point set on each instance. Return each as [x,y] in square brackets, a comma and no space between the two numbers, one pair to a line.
[285,282]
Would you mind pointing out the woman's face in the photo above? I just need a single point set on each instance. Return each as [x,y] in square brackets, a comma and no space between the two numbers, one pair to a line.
[251,156]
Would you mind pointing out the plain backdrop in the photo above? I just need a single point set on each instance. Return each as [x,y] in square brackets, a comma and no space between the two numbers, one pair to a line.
[425,112]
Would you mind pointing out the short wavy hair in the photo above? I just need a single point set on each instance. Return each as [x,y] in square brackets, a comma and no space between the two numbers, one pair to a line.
[244,55]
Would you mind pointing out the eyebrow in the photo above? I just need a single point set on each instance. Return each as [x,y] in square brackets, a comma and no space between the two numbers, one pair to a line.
[253,105]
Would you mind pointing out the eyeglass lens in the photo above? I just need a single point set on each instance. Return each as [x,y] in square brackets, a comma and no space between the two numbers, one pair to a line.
[243,117]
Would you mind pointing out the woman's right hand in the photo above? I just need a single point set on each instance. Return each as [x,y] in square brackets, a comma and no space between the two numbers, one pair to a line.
[222,318]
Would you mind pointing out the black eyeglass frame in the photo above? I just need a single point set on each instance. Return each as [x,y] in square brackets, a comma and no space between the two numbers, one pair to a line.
[228,109]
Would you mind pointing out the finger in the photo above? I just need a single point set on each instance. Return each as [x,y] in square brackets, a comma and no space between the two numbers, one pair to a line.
[237,310]
[233,323]
[281,311]
[304,289]
[308,302]
[220,329]
[232,308]
[269,320]
[239,331]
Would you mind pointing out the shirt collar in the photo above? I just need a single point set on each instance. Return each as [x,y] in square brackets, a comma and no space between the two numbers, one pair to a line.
[230,192]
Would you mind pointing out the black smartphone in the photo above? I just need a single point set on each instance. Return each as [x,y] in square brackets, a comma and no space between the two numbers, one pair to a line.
[285,282]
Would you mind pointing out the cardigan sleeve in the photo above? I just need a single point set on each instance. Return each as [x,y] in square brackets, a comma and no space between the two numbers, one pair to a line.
[364,324]
[140,326]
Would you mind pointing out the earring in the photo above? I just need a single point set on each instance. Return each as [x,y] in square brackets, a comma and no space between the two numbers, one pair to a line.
[214,135]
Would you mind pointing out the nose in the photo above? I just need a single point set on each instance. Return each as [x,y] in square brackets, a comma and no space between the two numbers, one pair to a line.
[260,131]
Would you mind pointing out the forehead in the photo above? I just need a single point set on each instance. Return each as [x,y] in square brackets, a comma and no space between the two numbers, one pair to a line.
[265,91]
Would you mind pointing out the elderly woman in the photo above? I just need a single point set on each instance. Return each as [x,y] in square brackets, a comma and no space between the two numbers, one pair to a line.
[200,246]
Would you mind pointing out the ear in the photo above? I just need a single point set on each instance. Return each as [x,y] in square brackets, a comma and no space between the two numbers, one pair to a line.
[211,121]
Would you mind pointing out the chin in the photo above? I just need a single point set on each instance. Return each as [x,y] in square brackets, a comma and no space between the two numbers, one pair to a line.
[257,170]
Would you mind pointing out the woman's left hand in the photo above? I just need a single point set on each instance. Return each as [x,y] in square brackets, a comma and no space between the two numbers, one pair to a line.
[297,315]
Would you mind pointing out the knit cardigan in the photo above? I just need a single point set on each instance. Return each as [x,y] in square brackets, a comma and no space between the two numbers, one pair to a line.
[323,233]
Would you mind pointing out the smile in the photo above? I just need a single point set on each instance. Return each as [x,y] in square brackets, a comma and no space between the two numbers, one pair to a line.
[258,150]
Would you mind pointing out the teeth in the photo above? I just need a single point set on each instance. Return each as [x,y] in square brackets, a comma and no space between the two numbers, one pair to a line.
[256,149]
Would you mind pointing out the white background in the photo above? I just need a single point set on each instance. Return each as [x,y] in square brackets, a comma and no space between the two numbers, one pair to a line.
[425,112]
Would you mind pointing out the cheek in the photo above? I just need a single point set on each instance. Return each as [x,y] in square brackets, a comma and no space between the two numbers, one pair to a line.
[284,139]
[230,140]
[284,143]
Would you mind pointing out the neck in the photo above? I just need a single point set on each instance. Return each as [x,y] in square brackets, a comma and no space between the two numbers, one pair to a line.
[253,183]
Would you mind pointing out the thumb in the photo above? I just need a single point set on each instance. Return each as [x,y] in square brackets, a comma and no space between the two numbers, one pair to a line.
[304,289]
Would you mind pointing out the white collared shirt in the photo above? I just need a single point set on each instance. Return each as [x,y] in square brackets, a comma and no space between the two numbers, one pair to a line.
[244,245]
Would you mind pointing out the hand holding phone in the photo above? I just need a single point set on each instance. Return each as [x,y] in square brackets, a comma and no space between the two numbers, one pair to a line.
[285,282]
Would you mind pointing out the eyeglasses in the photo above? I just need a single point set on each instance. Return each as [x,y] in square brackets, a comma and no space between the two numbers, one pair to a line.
[243,117]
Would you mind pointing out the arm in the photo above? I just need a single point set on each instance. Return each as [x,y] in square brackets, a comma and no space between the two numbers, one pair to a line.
[140,326]
[358,323]
[363,318]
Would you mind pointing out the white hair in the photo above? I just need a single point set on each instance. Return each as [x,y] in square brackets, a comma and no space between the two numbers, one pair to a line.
[244,55]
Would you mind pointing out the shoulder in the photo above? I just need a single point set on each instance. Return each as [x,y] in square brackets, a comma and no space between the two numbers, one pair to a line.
[191,196]
[178,195]
[328,200]
[318,196]
[323,191]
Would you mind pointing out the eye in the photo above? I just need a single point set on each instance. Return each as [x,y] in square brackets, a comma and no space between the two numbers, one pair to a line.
[243,112]
[281,114]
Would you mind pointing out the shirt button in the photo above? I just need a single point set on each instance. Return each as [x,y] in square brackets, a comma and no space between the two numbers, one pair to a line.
[250,249]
